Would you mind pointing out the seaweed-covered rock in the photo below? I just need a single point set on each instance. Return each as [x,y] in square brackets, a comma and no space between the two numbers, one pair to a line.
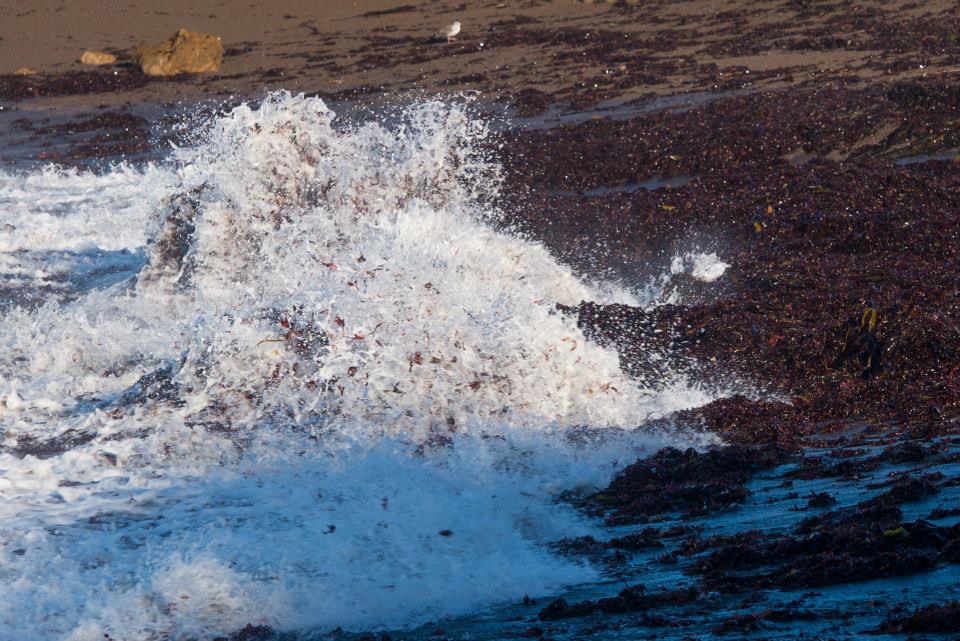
[867,541]
[756,621]
[645,539]
[930,618]
[22,87]
[842,298]
[631,599]
[821,499]
[688,481]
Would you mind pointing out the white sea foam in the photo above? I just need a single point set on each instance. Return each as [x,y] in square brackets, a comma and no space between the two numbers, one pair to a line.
[57,209]
[337,359]
[701,266]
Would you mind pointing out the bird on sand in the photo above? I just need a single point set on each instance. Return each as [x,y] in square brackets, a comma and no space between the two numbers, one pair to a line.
[449,32]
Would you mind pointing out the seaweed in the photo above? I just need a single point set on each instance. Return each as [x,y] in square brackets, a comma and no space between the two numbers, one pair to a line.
[690,482]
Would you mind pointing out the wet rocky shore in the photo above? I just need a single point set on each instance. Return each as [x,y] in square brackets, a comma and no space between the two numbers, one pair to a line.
[837,208]
[832,512]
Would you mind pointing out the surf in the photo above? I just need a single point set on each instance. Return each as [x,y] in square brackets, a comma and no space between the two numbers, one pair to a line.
[332,392]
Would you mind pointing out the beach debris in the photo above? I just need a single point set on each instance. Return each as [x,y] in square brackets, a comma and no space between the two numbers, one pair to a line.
[26,71]
[48,448]
[97,58]
[185,52]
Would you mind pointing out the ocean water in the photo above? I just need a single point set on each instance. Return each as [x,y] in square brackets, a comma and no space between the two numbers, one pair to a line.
[297,375]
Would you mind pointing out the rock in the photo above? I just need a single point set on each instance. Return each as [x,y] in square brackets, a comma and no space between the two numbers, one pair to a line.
[820,499]
[25,71]
[931,618]
[186,52]
[690,482]
[252,633]
[97,58]
[632,599]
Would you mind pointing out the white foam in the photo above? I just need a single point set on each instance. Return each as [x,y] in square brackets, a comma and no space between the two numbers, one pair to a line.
[70,210]
[702,266]
[349,343]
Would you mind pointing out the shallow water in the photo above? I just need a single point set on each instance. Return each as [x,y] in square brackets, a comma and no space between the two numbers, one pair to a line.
[844,611]
[558,116]
[294,375]
[629,188]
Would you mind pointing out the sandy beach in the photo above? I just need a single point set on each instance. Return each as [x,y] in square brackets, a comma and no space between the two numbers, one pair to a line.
[574,52]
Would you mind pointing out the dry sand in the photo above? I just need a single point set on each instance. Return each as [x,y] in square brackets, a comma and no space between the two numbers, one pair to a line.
[577,52]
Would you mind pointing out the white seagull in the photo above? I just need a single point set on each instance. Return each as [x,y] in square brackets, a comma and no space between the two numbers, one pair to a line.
[450,32]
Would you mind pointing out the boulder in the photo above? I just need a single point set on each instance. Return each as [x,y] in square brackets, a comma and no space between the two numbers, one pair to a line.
[97,58]
[185,52]
[25,71]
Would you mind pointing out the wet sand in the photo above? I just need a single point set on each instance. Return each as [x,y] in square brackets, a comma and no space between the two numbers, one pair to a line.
[538,51]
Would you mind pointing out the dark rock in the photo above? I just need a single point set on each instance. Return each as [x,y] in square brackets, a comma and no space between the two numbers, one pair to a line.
[632,599]
[158,385]
[821,499]
[253,633]
[868,541]
[689,482]
[169,251]
[646,539]
[930,618]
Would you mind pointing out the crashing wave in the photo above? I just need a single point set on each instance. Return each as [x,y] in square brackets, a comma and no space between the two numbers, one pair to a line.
[330,355]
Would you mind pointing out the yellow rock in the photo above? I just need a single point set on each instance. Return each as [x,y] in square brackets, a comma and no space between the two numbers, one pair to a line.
[25,71]
[186,52]
[97,58]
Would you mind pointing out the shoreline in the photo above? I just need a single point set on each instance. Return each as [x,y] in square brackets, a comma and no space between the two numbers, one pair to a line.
[561,52]
[778,146]
[805,194]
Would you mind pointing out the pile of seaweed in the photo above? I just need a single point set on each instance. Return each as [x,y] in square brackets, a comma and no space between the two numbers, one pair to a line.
[838,209]
[71,83]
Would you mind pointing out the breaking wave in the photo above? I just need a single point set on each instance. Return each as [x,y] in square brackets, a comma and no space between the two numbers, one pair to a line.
[309,385]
